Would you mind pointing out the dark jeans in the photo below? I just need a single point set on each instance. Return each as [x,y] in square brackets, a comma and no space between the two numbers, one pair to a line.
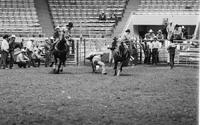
[22,64]
[171,57]
[149,54]
[11,62]
[4,57]
[31,62]
[155,56]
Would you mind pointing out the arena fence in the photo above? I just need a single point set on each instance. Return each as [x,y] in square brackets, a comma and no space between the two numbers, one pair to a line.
[187,52]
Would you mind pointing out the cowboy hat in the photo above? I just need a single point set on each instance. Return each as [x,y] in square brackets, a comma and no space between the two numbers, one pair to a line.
[23,50]
[150,31]
[12,36]
[57,27]
[159,31]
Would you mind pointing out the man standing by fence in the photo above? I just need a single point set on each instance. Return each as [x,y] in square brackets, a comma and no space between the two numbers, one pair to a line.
[11,50]
[171,49]
[155,47]
[4,51]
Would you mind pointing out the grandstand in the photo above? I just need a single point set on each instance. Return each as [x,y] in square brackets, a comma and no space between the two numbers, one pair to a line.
[85,13]
[19,17]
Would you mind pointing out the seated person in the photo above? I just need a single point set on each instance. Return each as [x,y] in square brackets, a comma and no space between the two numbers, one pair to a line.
[177,34]
[22,59]
[95,59]
[102,16]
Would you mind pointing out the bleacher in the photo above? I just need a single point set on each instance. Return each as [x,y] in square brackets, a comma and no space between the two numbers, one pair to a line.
[169,7]
[19,17]
[84,14]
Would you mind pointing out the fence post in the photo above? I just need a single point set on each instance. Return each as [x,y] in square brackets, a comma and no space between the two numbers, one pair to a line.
[84,50]
[77,52]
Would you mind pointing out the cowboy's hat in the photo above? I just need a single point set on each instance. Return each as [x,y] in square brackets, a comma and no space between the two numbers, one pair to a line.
[150,31]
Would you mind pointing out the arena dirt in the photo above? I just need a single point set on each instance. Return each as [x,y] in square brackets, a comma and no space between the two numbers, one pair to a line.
[143,95]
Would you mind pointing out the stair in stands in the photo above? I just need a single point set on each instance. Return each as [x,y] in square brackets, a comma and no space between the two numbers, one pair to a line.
[44,17]
[132,6]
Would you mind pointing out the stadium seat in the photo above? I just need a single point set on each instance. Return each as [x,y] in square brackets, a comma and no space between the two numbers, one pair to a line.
[85,14]
[18,16]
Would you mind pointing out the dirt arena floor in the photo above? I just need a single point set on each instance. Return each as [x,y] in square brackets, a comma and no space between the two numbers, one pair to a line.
[143,95]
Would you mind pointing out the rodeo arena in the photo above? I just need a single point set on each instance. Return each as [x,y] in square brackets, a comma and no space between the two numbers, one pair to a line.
[99,62]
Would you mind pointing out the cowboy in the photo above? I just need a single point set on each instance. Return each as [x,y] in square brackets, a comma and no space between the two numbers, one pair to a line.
[150,35]
[112,48]
[170,30]
[171,49]
[4,51]
[95,59]
[21,59]
[12,46]
[160,36]
[155,47]
[29,47]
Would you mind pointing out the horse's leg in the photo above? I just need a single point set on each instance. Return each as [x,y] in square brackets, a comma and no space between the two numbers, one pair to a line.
[120,68]
[59,65]
[62,65]
[54,64]
[115,68]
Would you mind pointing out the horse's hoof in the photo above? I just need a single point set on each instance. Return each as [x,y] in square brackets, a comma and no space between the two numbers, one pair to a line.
[61,70]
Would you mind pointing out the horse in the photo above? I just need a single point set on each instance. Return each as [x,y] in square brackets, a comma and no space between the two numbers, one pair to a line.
[59,52]
[121,55]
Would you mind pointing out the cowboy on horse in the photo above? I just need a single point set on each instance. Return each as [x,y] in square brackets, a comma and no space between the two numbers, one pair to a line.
[121,50]
[60,47]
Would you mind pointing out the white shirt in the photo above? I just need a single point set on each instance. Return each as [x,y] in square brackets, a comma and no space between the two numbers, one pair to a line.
[156,44]
[4,45]
[149,44]
[126,36]
[29,45]
[21,58]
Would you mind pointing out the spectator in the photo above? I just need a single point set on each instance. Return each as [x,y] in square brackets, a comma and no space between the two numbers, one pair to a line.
[164,31]
[155,47]
[160,36]
[36,56]
[185,33]
[4,51]
[29,47]
[171,49]
[21,59]
[177,34]
[12,46]
[170,30]
[102,16]
[150,35]
[114,17]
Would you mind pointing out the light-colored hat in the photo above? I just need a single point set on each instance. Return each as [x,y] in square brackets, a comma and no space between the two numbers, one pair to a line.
[12,36]
[159,31]
[23,50]
[155,37]
[57,27]
[150,31]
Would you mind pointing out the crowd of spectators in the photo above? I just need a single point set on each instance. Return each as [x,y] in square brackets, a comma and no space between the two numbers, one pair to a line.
[24,54]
